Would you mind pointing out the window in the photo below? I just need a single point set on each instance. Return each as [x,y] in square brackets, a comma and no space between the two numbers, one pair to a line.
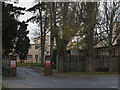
[29,56]
[36,56]
[47,52]
[36,46]
[45,48]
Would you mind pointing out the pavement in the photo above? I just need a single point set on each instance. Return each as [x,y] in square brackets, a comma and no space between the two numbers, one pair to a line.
[34,78]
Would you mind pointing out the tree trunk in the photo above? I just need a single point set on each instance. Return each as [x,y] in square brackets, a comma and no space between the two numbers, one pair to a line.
[110,58]
[64,58]
[43,35]
[110,62]
[43,47]
[90,62]
[51,48]
[58,55]
[53,25]
[90,25]
[57,63]
[62,54]
[42,40]
[61,63]
[21,61]
[70,63]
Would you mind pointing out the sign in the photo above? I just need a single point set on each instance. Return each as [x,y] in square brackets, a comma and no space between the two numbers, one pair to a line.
[47,63]
[13,64]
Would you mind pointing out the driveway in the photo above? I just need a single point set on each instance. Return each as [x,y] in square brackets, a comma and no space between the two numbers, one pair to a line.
[31,78]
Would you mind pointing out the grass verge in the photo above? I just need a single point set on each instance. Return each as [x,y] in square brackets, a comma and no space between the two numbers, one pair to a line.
[4,88]
[5,71]
[91,73]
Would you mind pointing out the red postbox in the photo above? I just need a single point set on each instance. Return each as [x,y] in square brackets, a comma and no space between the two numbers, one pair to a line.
[47,65]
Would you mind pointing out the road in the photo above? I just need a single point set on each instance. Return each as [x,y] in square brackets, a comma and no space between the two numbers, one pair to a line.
[30,78]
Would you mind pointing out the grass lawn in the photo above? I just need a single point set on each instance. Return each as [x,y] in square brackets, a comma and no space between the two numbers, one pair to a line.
[91,73]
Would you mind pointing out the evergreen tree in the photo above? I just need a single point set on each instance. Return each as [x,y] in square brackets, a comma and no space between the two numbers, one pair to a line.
[10,14]
[22,41]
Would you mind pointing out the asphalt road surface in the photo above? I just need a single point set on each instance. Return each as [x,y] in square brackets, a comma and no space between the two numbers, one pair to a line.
[30,78]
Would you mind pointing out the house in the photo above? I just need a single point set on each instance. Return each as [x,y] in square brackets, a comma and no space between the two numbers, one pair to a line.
[34,53]
[77,61]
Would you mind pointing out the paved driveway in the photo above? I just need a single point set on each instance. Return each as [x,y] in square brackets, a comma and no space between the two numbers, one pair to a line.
[30,78]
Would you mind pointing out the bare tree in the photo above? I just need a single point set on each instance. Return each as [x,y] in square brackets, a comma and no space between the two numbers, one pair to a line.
[89,17]
[109,28]
[40,18]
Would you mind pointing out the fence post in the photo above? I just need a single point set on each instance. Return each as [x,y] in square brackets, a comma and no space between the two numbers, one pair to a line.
[118,44]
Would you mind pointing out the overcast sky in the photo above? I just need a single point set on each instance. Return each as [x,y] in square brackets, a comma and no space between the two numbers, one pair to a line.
[27,4]
[31,26]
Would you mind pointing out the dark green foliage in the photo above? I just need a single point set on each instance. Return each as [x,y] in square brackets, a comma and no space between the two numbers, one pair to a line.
[22,42]
[9,29]
[4,88]
[10,33]
[9,26]
[5,70]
